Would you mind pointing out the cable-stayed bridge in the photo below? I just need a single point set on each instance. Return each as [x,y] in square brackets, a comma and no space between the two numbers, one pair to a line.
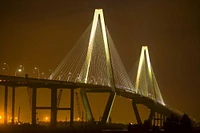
[94,65]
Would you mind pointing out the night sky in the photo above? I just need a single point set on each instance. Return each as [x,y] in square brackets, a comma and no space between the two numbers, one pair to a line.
[41,33]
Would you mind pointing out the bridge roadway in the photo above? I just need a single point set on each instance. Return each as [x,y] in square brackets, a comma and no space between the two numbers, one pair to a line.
[14,81]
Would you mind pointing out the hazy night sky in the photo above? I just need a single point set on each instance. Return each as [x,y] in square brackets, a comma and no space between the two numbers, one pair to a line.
[41,33]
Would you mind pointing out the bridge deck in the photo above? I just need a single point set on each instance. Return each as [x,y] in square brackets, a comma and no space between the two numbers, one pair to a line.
[151,104]
[14,81]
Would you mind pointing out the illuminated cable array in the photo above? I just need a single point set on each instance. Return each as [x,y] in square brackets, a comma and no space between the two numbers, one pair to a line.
[122,80]
[70,67]
[94,59]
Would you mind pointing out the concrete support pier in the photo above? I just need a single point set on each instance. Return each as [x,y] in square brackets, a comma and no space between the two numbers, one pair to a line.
[6,105]
[137,115]
[151,115]
[72,108]
[86,105]
[53,107]
[34,93]
[13,106]
[108,108]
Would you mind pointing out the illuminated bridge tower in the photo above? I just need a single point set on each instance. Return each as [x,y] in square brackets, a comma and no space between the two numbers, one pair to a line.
[99,29]
[146,83]
[147,86]
[95,61]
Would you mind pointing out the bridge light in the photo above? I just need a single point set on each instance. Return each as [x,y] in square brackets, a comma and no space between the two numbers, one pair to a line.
[46,118]
[38,71]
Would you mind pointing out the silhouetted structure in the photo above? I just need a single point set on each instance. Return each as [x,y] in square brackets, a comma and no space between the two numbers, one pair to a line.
[175,125]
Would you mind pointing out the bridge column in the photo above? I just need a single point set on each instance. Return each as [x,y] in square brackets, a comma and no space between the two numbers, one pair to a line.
[53,107]
[137,115]
[6,105]
[157,119]
[34,93]
[108,108]
[161,120]
[72,108]
[164,120]
[86,105]
[13,105]
[154,121]
[151,115]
